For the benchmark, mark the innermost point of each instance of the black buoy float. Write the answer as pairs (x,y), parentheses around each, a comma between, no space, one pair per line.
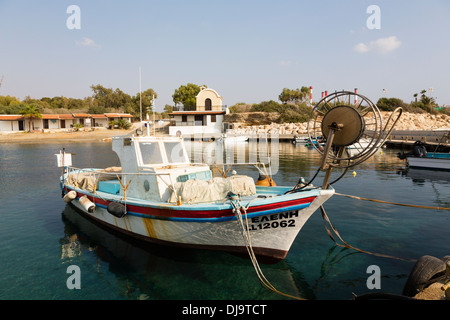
(117,209)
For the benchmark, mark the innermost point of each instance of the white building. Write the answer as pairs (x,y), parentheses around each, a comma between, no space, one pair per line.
(207,119)
(19,123)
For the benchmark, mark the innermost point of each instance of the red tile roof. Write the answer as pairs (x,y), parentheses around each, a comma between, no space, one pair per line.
(11,117)
(15,117)
(81,115)
(50,116)
(65,116)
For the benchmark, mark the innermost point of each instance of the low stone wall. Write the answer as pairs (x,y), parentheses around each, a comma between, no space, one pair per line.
(408,121)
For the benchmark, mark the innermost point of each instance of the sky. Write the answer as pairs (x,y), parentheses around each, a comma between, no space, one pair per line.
(246,50)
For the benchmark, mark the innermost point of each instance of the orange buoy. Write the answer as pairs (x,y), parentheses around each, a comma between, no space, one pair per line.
(263,180)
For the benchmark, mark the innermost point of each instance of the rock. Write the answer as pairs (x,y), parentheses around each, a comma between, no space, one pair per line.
(408,121)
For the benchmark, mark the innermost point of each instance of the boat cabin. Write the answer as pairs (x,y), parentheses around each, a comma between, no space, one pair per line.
(153,165)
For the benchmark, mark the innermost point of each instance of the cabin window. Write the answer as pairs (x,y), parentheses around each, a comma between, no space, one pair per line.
(150,153)
(174,151)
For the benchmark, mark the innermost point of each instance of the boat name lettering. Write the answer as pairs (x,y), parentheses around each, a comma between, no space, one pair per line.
(259,223)
(275,216)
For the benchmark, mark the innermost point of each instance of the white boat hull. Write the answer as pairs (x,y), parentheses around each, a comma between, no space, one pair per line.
(272,234)
(430,163)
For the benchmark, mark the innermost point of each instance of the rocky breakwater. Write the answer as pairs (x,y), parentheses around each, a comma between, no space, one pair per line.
(408,121)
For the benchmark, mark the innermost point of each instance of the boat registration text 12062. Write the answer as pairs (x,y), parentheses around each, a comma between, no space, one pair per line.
(276,220)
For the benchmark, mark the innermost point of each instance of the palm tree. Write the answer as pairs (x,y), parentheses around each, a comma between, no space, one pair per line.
(31,112)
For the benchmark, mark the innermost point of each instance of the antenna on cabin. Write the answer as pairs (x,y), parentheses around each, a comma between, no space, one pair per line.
(140,97)
(1,81)
(153,109)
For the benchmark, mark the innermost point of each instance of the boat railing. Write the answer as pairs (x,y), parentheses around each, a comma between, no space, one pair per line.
(88,178)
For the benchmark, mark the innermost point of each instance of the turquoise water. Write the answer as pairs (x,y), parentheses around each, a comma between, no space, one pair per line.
(41,236)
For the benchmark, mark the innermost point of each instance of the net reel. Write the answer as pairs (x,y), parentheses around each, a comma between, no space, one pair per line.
(352,126)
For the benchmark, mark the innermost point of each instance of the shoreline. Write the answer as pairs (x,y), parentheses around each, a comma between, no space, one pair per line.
(58,137)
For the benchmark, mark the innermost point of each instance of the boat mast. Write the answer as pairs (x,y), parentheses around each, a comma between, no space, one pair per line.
(140,98)
(153,109)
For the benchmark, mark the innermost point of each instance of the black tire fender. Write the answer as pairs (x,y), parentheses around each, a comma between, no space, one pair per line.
(423,271)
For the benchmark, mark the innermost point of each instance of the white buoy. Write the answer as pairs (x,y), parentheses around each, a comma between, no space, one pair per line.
(87,204)
(68,197)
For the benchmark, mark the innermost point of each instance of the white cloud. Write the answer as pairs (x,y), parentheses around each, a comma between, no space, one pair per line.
(361,48)
(88,43)
(284,63)
(382,45)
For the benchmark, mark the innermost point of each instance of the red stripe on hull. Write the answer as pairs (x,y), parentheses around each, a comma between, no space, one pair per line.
(169,212)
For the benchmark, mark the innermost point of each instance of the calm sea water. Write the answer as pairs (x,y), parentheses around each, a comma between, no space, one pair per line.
(41,236)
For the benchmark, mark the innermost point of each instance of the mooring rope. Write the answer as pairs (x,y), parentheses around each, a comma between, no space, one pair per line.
(237,207)
(346,245)
(394,203)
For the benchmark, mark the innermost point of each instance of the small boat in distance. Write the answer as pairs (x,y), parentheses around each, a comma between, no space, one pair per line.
(226,138)
(420,158)
(307,141)
(158,195)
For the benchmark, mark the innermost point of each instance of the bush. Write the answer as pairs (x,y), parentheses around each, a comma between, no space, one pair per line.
(295,113)
(390,104)
(289,113)
(267,106)
(240,107)
(120,124)
(77,126)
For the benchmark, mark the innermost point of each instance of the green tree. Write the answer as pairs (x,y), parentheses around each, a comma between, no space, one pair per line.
(148,100)
(9,105)
(31,112)
(186,95)
(103,96)
(8,100)
(294,95)
(59,102)
(389,104)
(425,103)
(167,110)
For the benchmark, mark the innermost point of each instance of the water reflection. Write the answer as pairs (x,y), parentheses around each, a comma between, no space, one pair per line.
(159,272)
(422,175)
(314,268)
(437,179)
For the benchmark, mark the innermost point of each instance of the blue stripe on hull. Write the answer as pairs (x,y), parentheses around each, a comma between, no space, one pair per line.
(222,219)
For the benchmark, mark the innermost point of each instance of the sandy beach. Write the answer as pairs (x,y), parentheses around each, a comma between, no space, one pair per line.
(52,137)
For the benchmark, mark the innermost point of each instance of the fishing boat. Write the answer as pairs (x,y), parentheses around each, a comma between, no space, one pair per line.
(306,140)
(420,158)
(158,195)
(438,161)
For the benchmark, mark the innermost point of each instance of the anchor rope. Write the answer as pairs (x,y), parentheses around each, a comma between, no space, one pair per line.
(237,207)
(349,246)
(394,203)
